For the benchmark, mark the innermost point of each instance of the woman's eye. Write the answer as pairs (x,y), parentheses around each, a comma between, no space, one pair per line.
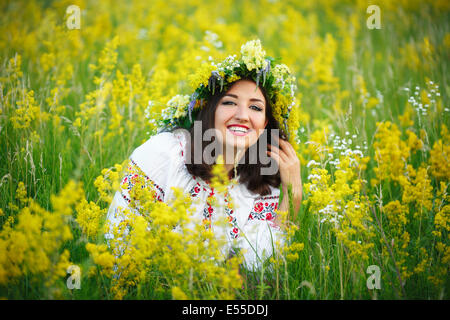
(253,107)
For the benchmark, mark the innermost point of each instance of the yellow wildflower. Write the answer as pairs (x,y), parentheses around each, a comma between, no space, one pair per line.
(88,217)
(201,76)
(178,294)
(253,55)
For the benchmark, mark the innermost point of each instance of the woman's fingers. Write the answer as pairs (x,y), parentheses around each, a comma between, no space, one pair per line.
(276,151)
(287,147)
(291,154)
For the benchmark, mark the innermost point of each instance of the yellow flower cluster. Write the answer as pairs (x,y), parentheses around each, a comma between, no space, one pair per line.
(253,55)
(201,76)
(281,71)
(291,251)
(89,216)
(404,220)
(27,111)
(442,236)
(319,72)
(94,104)
(396,213)
(30,243)
(440,155)
(14,68)
(109,181)
(340,204)
(164,238)
(397,220)
(283,77)
(178,294)
(392,153)
(102,257)
(179,102)
(107,60)
(417,189)
(292,123)
(234,78)
(129,98)
(21,193)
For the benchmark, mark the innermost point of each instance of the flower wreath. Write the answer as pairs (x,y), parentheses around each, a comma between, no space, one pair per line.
(276,79)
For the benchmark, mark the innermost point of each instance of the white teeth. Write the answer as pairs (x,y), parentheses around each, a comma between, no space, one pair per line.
(238,129)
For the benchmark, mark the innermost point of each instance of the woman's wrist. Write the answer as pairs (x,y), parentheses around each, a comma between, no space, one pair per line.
(296,190)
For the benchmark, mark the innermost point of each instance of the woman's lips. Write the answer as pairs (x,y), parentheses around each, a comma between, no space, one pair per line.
(238,133)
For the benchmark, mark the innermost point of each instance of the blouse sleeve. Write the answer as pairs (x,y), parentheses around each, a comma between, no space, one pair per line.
(158,159)
(153,163)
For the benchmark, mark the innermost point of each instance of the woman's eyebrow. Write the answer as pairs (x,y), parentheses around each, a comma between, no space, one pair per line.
(235,96)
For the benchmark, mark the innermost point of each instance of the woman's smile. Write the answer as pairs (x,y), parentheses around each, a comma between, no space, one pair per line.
(240,116)
(238,130)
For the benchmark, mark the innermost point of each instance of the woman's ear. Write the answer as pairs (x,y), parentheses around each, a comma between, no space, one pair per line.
(265,124)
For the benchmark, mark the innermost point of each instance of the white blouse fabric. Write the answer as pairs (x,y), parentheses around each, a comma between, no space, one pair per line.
(251,227)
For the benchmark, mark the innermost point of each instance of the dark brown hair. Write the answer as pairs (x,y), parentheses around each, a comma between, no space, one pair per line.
(249,174)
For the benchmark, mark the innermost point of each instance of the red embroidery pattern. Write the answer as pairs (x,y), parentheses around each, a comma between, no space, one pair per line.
(195,191)
(132,177)
(234,233)
(264,208)
(208,210)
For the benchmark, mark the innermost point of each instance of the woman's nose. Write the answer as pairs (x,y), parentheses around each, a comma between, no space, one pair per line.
(241,113)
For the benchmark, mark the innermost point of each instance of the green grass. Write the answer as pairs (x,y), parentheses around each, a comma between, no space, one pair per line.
(46,165)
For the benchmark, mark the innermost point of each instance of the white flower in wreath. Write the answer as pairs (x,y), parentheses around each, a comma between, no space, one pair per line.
(178,103)
(253,55)
(281,74)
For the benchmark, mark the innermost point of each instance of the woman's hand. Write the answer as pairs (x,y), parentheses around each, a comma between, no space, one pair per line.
(289,166)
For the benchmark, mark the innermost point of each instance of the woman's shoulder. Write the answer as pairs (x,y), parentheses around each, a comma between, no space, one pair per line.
(163,147)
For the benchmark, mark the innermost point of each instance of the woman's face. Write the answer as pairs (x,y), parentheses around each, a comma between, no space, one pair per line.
(241,116)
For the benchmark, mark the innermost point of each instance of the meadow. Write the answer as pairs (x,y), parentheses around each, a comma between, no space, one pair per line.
(79,95)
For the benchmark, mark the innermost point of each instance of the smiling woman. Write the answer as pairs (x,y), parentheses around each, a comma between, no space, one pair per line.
(239,110)
(242,121)
(240,116)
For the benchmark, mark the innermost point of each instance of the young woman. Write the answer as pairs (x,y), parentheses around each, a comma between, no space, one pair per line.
(232,113)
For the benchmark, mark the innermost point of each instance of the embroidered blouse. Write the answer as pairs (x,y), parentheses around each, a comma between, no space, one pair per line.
(161,160)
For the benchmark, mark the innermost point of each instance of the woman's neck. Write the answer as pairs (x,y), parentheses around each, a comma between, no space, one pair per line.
(231,161)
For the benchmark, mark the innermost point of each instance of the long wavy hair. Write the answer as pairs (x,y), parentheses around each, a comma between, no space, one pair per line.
(249,174)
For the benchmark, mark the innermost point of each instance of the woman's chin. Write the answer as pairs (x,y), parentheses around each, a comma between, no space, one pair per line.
(238,143)
(236,146)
